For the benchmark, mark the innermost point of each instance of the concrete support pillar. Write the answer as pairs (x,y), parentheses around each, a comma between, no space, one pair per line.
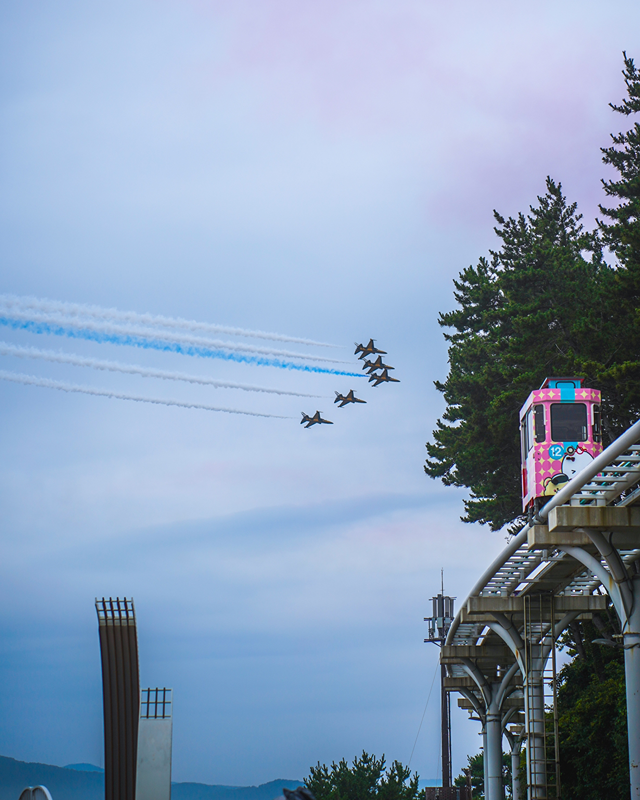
(624,591)
(516,790)
(493,757)
(631,641)
(536,757)
(485,760)
(515,746)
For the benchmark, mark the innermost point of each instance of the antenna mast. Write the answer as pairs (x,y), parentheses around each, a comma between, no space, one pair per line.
(439,625)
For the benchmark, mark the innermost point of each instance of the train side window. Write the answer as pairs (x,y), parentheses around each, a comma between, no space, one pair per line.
(568,422)
(529,429)
(597,424)
(541,433)
(523,438)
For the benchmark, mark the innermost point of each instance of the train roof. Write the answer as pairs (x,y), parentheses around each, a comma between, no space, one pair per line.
(566,390)
(557,383)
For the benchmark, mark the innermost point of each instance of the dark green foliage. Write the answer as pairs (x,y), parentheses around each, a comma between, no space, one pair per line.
(621,233)
(364,779)
(534,309)
(545,303)
(592,715)
(476,765)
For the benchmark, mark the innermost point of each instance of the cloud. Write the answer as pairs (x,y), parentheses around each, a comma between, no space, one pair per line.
(265,617)
(282,166)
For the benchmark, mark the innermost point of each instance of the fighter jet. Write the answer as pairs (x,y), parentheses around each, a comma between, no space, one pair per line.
(372,366)
(368,349)
(314,420)
(383,377)
(344,399)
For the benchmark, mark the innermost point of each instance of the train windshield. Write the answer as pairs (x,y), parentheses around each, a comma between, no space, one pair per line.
(568,422)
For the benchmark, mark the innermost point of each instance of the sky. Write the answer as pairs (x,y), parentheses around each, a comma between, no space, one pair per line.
(320,170)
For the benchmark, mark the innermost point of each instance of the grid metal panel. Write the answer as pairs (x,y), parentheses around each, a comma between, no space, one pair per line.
(156,703)
(116,612)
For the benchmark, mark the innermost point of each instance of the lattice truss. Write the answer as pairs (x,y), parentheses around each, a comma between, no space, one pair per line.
(551,570)
(491,646)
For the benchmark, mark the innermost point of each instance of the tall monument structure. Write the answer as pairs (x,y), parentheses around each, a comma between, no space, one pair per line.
(121,695)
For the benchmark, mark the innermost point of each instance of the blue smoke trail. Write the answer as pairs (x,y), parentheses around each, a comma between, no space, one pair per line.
(167,347)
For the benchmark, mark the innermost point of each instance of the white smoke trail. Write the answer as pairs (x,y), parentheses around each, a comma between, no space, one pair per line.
(132,369)
(32,380)
(81,310)
(152,333)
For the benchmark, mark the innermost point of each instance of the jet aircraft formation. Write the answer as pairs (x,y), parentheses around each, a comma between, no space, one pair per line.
(375,377)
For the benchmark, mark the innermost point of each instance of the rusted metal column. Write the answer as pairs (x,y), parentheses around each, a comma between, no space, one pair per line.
(121,695)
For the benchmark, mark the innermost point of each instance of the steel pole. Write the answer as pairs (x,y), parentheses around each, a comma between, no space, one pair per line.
(485,760)
(515,744)
(445,724)
(632,679)
(493,757)
(515,771)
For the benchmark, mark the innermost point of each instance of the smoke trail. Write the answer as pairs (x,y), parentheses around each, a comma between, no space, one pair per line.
(113,315)
(168,346)
(32,380)
(150,333)
(132,369)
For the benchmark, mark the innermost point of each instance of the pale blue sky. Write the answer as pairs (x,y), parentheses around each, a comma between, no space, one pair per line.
(320,169)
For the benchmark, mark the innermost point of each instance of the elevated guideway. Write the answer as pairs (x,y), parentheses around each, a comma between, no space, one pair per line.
(584,544)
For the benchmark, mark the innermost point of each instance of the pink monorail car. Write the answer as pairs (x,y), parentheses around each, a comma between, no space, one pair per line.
(560,433)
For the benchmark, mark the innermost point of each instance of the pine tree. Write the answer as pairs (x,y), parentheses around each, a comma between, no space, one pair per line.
(366,779)
(533,309)
(621,233)
(475,765)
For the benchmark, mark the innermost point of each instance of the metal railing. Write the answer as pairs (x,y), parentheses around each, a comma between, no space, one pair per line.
(523,571)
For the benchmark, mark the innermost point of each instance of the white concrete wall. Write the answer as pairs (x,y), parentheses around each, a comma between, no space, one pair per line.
(153,780)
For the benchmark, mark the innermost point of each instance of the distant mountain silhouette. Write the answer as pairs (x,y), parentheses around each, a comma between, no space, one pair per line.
(202,791)
(83,767)
(85,782)
(64,784)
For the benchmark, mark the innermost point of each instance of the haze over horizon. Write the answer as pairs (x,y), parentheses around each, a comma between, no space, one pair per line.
(319,171)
